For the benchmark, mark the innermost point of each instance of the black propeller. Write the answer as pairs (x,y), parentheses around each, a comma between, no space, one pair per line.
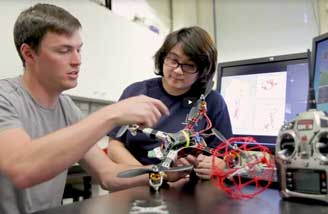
(134,172)
(178,168)
(140,171)
(209,87)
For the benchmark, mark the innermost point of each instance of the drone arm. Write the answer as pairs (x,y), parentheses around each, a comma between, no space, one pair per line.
(196,113)
(119,154)
(167,162)
(154,134)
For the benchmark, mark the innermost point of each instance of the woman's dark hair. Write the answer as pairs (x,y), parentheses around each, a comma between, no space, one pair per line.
(197,44)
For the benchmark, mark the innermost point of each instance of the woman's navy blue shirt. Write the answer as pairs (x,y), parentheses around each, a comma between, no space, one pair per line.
(140,144)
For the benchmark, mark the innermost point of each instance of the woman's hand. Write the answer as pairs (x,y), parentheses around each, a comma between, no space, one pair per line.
(184,175)
(203,167)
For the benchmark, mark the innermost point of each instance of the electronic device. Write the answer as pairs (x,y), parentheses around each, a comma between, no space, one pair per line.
(301,156)
(172,144)
(302,143)
(320,69)
(262,93)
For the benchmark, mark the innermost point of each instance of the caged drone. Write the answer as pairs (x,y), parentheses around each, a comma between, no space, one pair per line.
(238,159)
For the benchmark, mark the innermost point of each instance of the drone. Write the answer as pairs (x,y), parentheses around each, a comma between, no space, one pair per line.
(171,145)
(238,159)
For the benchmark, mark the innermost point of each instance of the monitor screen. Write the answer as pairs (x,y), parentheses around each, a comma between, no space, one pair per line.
(263,93)
(320,63)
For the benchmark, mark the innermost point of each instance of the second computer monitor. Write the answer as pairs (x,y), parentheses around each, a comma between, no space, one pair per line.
(262,93)
(320,67)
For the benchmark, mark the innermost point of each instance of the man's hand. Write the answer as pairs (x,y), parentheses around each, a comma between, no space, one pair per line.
(142,110)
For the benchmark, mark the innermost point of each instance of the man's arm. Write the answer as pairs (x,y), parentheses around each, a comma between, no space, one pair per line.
(119,154)
(105,171)
(27,162)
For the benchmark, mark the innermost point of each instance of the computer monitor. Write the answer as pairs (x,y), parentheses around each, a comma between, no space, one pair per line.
(320,68)
(263,93)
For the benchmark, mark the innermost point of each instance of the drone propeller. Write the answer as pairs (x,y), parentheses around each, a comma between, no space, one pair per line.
(177,169)
(209,87)
(218,134)
(140,171)
(122,130)
(133,129)
(134,172)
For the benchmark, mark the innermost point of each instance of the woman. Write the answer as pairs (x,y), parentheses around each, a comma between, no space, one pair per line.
(186,63)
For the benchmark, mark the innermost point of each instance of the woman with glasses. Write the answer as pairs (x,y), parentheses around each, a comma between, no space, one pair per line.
(186,63)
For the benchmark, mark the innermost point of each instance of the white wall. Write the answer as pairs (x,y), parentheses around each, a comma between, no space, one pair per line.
(193,12)
(259,28)
(184,13)
(149,12)
(162,10)
(205,17)
(116,52)
(323,15)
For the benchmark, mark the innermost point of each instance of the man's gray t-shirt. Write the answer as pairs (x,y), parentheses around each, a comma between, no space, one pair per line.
(19,110)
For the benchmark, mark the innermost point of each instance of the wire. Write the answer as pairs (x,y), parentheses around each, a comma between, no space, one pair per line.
(241,161)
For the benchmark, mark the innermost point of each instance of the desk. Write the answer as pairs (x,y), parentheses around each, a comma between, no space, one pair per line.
(76,175)
(205,198)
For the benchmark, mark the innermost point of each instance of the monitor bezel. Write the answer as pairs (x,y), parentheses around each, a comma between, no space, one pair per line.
(315,42)
(303,56)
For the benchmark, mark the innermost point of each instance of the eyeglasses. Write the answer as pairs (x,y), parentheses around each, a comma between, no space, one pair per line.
(186,68)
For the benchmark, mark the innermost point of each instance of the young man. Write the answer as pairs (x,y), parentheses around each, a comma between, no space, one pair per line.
(41,134)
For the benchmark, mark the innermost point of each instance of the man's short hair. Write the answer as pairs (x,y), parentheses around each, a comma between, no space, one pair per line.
(33,23)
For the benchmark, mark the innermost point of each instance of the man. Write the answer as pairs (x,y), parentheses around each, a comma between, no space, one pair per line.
(40,136)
